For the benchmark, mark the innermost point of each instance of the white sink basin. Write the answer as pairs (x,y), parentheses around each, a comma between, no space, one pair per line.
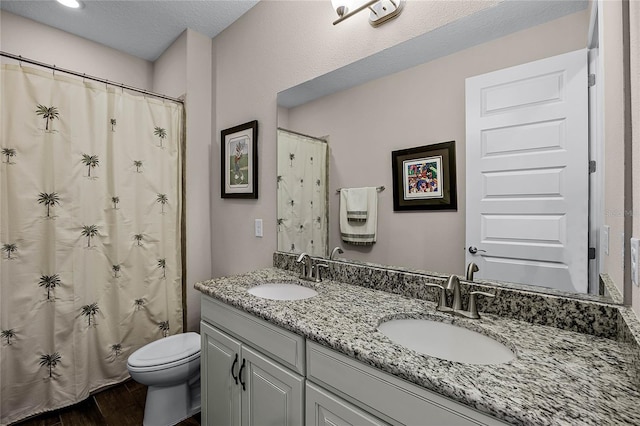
(446,341)
(282,291)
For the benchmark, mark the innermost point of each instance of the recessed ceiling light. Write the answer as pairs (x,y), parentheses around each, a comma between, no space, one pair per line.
(75,4)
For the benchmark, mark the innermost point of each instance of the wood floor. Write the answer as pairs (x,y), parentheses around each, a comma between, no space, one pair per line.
(121,405)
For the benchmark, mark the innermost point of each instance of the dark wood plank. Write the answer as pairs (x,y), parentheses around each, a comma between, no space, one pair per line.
(121,405)
(47,419)
(132,385)
(191,421)
(82,414)
(139,395)
(118,407)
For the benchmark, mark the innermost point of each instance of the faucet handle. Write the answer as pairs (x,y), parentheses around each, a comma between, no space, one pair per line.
(442,299)
(473,309)
(317,268)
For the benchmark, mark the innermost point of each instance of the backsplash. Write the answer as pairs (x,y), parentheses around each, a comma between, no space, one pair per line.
(629,332)
(582,316)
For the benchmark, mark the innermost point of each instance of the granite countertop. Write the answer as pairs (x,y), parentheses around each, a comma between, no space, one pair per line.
(558,377)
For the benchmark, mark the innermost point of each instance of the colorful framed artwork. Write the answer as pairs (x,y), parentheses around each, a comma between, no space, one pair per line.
(240,161)
(424,178)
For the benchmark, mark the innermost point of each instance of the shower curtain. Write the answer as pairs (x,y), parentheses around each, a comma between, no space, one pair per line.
(302,194)
(90,214)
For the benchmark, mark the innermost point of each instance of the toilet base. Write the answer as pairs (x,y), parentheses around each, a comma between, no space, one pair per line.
(168,405)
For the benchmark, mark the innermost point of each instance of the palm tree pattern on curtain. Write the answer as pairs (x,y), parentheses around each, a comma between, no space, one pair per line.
(49,282)
(162,199)
(50,361)
(49,200)
(8,153)
(160,133)
(117,349)
(9,248)
(123,292)
(91,161)
(9,334)
(89,231)
(162,263)
(48,113)
(89,311)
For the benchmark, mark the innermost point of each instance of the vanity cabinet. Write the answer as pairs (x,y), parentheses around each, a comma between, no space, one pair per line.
(384,395)
(255,373)
(240,384)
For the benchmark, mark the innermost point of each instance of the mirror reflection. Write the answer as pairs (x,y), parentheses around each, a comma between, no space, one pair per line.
(302,193)
(528,211)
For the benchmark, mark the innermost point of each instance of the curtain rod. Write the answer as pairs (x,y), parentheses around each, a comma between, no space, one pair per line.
(88,77)
(302,134)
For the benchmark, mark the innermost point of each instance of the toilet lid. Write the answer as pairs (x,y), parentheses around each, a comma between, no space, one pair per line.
(166,350)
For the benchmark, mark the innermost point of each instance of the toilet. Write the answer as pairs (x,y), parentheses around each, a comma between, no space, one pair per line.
(170,367)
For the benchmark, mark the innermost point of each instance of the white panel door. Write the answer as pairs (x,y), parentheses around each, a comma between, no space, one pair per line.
(272,395)
(220,366)
(527,150)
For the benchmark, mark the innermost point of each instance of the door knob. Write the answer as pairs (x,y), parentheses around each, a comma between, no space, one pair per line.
(474,250)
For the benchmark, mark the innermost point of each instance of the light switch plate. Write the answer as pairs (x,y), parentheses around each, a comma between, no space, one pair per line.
(605,239)
(635,271)
(258,228)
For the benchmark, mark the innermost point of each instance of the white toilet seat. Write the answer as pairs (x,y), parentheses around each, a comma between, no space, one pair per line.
(165,353)
(163,366)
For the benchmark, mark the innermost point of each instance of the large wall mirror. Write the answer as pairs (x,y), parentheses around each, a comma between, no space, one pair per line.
(414,94)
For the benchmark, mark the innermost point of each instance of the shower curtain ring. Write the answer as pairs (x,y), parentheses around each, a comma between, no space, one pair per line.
(20,60)
(54,70)
(83,77)
(122,87)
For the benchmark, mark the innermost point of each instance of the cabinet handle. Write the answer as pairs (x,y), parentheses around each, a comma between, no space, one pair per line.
(240,374)
(233,366)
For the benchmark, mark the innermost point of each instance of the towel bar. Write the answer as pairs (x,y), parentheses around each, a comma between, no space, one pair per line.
(379,189)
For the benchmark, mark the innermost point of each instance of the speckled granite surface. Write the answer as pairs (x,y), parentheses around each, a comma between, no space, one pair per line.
(555,310)
(608,287)
(558,378)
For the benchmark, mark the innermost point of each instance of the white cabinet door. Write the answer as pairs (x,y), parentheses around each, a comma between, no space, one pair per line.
(323,408)
(220,365)
(272,395)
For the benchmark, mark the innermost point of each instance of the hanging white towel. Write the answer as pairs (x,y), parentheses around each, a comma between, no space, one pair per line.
(360,232)
(357,203)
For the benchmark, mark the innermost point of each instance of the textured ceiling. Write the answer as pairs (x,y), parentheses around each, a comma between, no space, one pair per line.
(143,28)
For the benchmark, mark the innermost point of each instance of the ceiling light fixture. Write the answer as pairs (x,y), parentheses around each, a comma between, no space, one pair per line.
(381,10)
(74,4)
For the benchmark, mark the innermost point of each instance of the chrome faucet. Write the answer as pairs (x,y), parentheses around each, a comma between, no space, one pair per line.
(334,251)
(471,268)
(453,283)
(307,268)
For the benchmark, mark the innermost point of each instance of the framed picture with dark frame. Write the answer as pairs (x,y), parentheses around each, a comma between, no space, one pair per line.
(240,161)
(424,178)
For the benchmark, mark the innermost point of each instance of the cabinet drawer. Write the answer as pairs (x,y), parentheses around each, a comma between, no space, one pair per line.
(384,395)
(281,345)
(325,409)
